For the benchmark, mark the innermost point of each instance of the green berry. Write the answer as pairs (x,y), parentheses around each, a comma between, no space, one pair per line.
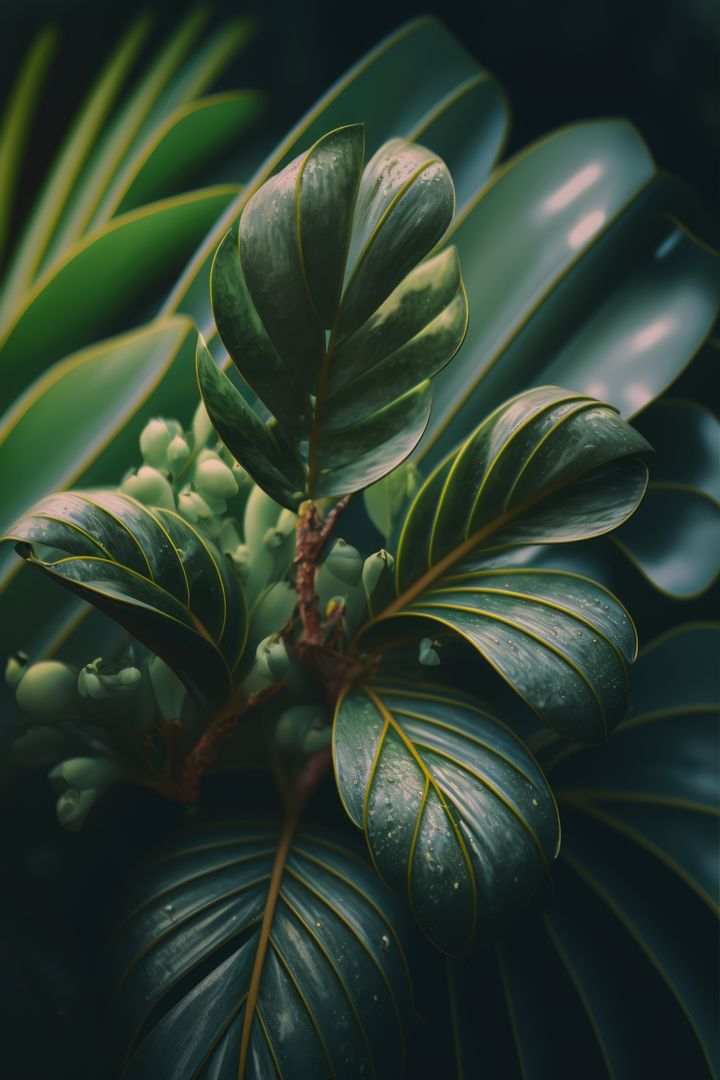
(271,658)
(178,452)
(214,478)
(150,487)
(48,690)
(345,563)
(155,440)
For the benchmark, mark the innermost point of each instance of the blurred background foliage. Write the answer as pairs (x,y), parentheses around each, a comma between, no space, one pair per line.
(653,61)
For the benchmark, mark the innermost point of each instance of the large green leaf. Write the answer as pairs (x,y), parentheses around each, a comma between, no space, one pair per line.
(630,939)
(575,277)
(675,538)
(548,466)
(38,231)
(210,126)
(110,272)
(17,119)
(253,954)
(151,572)
(339,246)
(418,80)
(457,815)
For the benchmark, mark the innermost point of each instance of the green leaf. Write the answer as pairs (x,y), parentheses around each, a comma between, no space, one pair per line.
(576,277)
(390,89)
(68,164)
(208,126)
(457,815)
(150,571)
(625,944)
(352,408)
(674,540)
(247,952)
(79,300)
(548,466)
(17,119)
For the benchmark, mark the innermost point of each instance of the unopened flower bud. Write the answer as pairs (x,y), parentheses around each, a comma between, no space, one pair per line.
(202,427)
(273,539)
(155,440)
(150,487)
(295,723)
(73,807)
(86,773)
(15,668)
(317,738)
(374,567)
(178,452)
(101,682)
(48,690)
(193,507)
(271,658)
(427,654)
(345,562)
(214,478)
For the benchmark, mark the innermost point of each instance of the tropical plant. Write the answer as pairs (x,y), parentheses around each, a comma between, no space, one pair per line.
(457,681)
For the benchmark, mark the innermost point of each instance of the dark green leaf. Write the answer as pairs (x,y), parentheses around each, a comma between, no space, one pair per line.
(321,933)
(457,815)
(354,406)
(151,572)
(548,466)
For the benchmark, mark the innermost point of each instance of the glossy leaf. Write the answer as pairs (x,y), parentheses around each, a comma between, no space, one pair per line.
(38,231)
(576,277)
(17,119)
(675,538)
(210,126)
(53,324)
(457,816)
(249,954)
(629,940)
(150,571)
(416,78)
(356,406)
(548,466)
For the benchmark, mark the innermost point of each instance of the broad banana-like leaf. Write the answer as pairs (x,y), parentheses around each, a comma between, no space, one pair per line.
(252,953)
(576,276)
(674,540)
(343,362)
(457,815)
(75,302)
(151,572)
(630,939)
(546,467)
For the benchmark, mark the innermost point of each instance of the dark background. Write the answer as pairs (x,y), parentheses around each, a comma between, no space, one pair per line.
(654,61)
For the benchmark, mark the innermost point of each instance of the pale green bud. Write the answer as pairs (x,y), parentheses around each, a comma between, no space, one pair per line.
(48,690)
(273,610)
(229,536)
(155,440)
(193,507)
(150,487)
(101,682)
(345,563)
(214,478)
(295,723)
(202,427)
(274,539)
(178,452)
(241,559)
(73,807)
(317,738)
(86,773)
(374,567)
(427,653)
(271,658)
(286,522)
(15,669)
(261,512)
